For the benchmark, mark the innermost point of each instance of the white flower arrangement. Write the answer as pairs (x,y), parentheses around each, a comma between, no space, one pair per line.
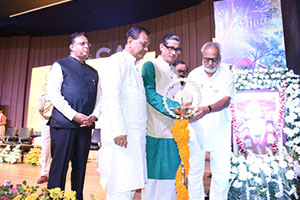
(269,176)
(10,156)
(262,177)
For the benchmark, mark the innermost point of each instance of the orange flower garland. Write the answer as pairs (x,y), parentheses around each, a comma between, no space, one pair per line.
(181,137)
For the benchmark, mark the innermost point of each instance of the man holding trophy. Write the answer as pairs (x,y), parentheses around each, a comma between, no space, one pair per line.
(162,153)
(210,129)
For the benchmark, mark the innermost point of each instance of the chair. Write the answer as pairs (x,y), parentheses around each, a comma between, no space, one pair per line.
(24,136)
(96,140)
(10,135)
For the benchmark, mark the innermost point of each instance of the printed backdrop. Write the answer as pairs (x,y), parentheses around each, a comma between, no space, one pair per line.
(250,32)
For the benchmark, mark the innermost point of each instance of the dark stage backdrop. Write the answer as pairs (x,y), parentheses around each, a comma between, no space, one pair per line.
(195,26)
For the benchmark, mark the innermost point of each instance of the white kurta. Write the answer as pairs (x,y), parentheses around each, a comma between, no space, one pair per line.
(213,130)
(211,133)
(123,113)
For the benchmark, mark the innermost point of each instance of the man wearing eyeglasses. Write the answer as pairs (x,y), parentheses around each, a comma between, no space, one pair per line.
(182,70)
(161,149)
(73,90)
(210,130)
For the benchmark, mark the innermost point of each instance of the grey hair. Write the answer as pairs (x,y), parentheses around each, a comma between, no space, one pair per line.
(170,36)
(211,44)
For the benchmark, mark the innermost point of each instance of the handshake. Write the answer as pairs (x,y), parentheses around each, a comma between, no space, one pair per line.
(83,120)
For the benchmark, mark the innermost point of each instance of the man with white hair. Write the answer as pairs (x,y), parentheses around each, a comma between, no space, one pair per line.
(210,130)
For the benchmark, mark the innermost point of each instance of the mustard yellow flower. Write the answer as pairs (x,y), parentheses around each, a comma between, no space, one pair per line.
(33,196)
(19,197)
(181,137)
(70,195)
(56,193)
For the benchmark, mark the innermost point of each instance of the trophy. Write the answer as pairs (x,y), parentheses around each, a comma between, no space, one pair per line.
(189,99)
(189,103)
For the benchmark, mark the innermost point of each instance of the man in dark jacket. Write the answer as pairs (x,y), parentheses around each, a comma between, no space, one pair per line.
(72,89)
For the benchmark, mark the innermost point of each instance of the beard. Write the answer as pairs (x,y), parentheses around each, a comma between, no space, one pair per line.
(210,68)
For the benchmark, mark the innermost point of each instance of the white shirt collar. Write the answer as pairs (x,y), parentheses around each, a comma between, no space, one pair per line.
(131,57)
(163,62)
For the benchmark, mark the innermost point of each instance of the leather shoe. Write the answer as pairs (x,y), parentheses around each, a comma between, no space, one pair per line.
(43,179)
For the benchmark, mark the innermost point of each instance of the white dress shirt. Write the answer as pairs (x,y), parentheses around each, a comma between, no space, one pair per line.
(214,129)
(55,79)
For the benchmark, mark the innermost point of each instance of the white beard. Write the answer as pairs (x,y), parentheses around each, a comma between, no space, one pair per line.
(209,69)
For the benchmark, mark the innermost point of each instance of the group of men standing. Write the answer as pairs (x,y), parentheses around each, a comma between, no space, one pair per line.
(138,150)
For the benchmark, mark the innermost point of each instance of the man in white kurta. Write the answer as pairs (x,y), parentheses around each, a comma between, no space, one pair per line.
(122,161)
(211,130)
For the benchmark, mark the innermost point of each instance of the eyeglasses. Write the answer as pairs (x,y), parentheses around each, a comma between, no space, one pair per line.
(170,48)
(214,60)
(182,71)
(84,43)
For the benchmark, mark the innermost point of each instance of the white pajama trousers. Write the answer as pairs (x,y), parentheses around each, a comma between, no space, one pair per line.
(120,195)
(220,169)
(159,190)
(46,153)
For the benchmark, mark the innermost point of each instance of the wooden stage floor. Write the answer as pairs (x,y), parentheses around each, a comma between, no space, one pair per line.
(18,172)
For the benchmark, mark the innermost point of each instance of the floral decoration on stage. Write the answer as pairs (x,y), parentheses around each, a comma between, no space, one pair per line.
(33,156)
(8,155)
(275,175)
(181,137)
(24,191)
(262,177)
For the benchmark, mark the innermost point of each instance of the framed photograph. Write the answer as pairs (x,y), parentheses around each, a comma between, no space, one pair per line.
(257,113)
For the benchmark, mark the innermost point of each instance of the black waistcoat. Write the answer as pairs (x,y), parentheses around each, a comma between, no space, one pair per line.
(79,88)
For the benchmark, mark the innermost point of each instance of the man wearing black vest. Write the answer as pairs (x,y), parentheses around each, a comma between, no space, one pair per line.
(73,91)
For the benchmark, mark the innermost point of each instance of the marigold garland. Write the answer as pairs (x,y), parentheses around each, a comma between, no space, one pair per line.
(181,137)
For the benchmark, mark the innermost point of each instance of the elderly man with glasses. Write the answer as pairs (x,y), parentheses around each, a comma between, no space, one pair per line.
(161,149)
(210,130)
